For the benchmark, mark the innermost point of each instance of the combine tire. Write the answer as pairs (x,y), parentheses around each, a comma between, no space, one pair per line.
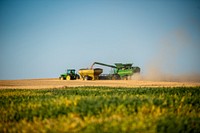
(115,77)
(125,78)
(68,77)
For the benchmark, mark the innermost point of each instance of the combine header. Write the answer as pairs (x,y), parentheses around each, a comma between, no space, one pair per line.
(120,71)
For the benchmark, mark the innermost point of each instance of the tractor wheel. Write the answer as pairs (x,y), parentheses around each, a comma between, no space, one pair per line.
(61,78)
(68,77)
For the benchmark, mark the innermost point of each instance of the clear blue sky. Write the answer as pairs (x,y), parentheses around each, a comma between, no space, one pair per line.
(41,38)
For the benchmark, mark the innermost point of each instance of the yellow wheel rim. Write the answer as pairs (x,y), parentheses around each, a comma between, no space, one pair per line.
(68,77)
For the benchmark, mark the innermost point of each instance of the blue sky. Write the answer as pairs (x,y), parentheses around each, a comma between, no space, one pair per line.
(41,38)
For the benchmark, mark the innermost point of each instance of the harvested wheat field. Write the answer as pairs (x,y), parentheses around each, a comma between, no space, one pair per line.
(56,83)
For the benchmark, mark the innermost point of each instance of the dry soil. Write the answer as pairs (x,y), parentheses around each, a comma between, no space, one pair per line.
(56,83)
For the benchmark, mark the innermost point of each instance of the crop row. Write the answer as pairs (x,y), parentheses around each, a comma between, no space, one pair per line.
(100,109)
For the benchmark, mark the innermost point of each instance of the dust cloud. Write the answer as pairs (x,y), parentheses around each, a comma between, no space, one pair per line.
(162,76)
(165,62)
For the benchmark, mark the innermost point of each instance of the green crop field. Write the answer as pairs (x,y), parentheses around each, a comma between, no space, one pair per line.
(100,109)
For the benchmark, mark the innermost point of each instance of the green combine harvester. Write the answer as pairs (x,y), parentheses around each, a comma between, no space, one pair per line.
(120,71)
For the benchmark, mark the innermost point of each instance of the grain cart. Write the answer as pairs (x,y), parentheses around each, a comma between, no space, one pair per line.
(69,75)
(121,71)
(90,74)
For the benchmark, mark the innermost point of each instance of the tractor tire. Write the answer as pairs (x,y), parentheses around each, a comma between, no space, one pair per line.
(68,77)
(61,78)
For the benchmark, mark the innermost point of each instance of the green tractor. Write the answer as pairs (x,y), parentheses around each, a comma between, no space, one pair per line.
(69,75)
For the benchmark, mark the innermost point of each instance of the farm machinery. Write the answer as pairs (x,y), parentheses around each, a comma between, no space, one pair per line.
(69,75)
(90,74)
(120,71)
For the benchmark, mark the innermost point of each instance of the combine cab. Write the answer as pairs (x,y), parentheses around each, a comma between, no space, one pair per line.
(69,75)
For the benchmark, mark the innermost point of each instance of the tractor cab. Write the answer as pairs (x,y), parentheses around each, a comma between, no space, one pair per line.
(71,71)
